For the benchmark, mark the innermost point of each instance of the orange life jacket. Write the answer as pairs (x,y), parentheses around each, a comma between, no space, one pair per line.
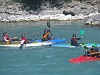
(46,35)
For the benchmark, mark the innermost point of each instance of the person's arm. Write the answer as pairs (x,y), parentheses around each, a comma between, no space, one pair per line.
(78,38)
(96,49)
(6,39)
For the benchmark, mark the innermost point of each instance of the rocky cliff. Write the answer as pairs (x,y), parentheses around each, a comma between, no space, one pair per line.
(11,11)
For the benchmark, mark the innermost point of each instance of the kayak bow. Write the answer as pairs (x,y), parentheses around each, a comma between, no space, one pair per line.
(71,46)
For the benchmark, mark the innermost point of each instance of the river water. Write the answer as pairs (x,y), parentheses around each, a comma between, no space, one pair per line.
(47,60)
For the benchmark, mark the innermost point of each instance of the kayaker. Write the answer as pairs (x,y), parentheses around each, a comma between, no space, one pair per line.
(74,40)
(93,51)
(6,38)
(23,39)
(45,36)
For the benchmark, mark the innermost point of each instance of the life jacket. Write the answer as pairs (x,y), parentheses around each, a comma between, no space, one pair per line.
(5,37)
(45,35)
(23,38)
(74,39)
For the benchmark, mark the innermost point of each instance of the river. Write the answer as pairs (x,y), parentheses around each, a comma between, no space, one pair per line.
(47,60)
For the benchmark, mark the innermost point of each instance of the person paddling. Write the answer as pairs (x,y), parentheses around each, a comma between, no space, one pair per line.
(93,51)
(74,40)
(45,36)
(6,38)
(23,40)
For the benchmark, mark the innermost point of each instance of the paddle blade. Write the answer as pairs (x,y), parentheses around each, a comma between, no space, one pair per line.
(82,32)
(48,24)
(21,47)
(15,37)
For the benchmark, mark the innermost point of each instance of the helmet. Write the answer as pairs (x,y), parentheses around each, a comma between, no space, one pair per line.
(74,35)
(94,45)
(23,35)
(46,30)
(4,33)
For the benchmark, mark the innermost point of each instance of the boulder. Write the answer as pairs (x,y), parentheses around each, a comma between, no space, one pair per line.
(67,13)
(94,20)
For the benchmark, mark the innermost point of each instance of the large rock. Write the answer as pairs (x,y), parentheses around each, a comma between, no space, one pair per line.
(94,20)
(67,13)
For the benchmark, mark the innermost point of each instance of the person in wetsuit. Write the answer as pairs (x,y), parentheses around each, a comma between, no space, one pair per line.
(6,38)
(93,51)
(74,40)
(45,36)
(23,39)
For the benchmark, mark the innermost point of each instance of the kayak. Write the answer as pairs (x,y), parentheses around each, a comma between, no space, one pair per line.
(71,46)
(28,44)
(63,45)
(55,40)
(90,45)
(32,43)
(84,59)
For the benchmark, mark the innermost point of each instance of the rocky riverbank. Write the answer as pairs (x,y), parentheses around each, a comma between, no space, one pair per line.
(14,12)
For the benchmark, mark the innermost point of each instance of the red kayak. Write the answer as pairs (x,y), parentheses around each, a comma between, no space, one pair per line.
(83,59)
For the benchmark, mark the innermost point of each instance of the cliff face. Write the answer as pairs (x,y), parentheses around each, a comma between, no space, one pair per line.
(12,11)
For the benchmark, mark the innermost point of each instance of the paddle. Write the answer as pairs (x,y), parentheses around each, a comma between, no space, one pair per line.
(15,38)
(86,48)
(22,45)
(81,32)
(48,25)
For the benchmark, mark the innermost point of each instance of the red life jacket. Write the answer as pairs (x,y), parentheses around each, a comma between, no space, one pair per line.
(6,37)
(75,39)
(23,38)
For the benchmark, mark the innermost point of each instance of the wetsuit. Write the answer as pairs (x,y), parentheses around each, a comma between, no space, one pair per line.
(94,49)
(74,41)
(93,52)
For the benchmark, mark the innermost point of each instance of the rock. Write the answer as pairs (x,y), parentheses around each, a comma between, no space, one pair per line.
(67,13)
(10,7)
(94,20)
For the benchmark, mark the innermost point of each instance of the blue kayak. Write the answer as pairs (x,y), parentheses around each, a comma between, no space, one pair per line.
(62,45)
(55,40)
(71,46)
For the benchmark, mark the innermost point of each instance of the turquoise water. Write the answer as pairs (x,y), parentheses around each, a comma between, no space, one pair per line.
(47,60)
